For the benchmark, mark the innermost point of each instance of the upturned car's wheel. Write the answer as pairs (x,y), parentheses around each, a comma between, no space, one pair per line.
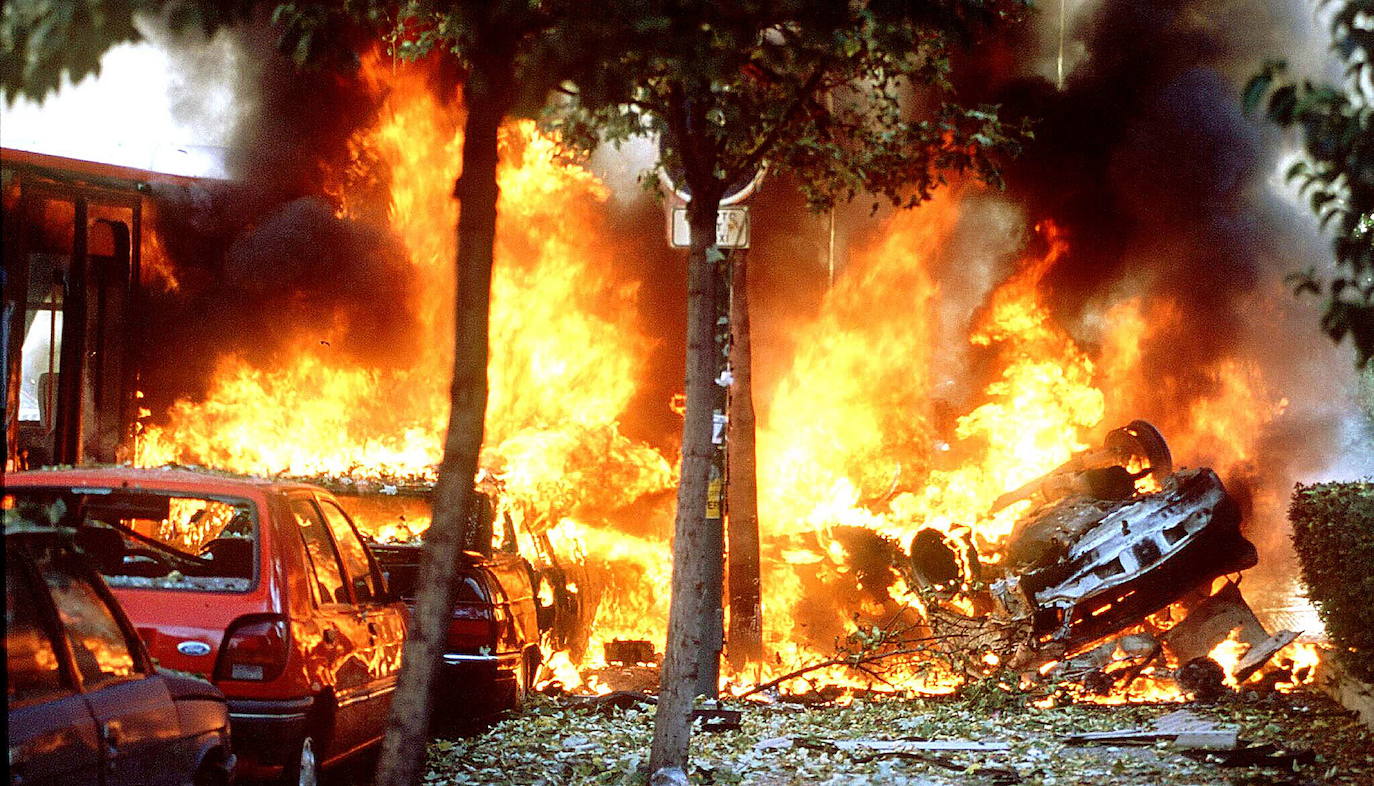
(1140,438)
(304,769)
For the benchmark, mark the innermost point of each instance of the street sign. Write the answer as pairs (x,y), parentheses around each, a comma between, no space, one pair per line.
(732,227)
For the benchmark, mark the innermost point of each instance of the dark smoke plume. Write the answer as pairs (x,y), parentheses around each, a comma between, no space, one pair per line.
(263,259)
(1158,179)
(1146,162)
(1163,188)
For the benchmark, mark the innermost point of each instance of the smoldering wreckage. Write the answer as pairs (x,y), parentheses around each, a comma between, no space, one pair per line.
(1121,566)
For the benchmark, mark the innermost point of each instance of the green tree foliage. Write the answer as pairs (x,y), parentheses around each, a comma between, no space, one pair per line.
(1336,174)
(41,41)
(548,42)
(850,98)
(1333,534)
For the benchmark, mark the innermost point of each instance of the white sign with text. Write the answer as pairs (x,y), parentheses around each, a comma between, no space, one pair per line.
(732,227)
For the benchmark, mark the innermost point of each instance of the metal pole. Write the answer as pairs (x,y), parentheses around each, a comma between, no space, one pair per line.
(71,366)
(1063,11)
(713,628)
(132,339)
(742,536)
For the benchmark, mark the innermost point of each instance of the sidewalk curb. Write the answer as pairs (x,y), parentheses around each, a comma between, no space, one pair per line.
(1353,694)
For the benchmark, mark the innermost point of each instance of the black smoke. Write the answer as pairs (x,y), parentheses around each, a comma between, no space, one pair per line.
(1163,188)
(263,260)
(1146,161)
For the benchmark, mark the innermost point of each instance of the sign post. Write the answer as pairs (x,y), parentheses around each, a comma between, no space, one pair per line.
(732,233)
(713,628)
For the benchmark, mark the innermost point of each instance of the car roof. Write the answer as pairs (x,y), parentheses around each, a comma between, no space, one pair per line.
(172,478)
(410,553)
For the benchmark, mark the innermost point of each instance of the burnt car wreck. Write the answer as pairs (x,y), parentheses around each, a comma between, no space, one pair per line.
(1112,537)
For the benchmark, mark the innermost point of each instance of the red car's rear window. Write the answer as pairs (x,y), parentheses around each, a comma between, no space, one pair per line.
(155,539)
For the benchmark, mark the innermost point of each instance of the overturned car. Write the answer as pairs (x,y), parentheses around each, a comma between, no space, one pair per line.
(1113,536)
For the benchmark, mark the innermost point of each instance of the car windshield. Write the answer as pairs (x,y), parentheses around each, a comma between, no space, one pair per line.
(161,540)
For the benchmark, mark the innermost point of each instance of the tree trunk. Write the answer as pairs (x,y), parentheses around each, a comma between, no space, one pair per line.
(746,611)
(692,557)
(488,97)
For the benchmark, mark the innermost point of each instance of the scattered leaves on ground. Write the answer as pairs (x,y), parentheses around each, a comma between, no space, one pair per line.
(552,743)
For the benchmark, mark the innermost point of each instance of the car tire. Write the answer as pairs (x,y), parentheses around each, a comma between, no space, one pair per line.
(534,658)
(1140,438)
(210,773)
(516,699)
(304,767)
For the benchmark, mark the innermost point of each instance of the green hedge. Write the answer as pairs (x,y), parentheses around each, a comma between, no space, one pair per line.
(1333,533)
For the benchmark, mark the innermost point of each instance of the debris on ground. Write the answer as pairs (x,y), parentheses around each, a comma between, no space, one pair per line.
(608,702)
(1299,737)
(1183,729)
(1267,755)
(718,720)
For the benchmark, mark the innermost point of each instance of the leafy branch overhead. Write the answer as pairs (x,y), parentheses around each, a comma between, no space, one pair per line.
(42,42)
(1336,174)
(849,101)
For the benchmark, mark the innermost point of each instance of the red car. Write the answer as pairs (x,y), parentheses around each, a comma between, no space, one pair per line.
(86,704)
(264,587)
(491,647)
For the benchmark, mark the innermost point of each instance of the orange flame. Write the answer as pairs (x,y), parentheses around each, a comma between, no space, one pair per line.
(566,351)
(851,437)
(558,388)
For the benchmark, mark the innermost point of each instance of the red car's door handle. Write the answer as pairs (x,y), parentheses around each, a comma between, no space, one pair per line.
(109,732)
(109,735)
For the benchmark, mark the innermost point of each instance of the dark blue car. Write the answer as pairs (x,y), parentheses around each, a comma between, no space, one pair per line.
(86,703)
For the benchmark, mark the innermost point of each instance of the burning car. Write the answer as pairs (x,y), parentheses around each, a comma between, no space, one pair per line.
(1112,536)
(516,600)
(491,646)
